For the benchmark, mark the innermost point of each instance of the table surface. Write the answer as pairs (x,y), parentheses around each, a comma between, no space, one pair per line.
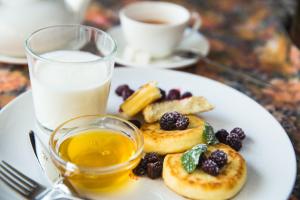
(246,36)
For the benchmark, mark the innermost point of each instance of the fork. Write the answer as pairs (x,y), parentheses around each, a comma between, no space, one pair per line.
(28,188)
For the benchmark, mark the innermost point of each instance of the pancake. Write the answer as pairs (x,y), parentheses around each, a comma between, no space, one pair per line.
(174,141)
(202,186)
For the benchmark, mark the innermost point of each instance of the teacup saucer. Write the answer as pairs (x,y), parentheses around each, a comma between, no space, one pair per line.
(195,41)
(13,60)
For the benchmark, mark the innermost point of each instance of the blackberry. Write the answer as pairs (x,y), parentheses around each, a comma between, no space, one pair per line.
(210,167)
(168,120)
(239,132)
(121,88)
(234,141)
(154,170)
(173,94)
(149,165)
(182,123)
(186,95)
(139,171)
(137,123)
(221,135)
(127,93)
(152,157)
(202,159)
(141,168)
(219,157)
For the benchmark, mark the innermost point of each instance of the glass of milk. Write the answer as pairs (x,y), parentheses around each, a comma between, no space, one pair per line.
(70,70)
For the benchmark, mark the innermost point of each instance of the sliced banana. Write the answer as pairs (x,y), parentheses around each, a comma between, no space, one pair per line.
(191,105)
(141,98)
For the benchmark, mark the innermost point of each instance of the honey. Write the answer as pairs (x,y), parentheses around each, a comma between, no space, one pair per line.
(98,148)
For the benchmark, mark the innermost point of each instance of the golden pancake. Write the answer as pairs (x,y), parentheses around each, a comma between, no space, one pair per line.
(174,141)
(202,186)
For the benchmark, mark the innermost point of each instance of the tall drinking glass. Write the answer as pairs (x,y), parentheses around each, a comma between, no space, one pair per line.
(70,70)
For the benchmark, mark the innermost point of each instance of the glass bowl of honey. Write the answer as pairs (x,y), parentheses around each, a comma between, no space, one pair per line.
(96,153)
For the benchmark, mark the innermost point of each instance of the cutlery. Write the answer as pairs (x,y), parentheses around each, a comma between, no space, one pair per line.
(28,188)
(47,166)
(187,53)
(42,154)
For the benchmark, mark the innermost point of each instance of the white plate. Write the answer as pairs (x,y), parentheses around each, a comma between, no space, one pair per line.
(267,149)
(194,41)
(13,60)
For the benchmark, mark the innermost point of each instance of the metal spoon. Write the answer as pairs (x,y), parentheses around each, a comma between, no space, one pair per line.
(192,54)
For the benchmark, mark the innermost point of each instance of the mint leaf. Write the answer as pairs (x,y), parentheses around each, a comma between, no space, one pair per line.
(191,157)
(209,135)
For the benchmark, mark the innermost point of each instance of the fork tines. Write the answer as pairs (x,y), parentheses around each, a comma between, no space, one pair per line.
(16,180)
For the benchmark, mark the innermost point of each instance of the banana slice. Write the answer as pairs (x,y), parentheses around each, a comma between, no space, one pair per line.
(202,186)
(141,98)
(164,142)
(191,105)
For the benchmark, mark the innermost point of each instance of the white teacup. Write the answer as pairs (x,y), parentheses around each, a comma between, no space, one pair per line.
(155,27)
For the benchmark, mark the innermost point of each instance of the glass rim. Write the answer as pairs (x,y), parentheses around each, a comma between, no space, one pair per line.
(96,170)
(29,50)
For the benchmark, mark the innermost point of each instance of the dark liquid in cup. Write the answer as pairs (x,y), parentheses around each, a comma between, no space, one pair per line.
(153,21)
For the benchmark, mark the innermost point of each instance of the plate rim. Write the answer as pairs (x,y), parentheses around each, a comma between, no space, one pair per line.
(28,92)
(13,60)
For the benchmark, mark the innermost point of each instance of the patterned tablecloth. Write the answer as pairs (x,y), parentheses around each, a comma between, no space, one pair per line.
(246,35)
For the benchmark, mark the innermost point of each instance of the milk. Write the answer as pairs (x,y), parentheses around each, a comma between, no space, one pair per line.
(64,90)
